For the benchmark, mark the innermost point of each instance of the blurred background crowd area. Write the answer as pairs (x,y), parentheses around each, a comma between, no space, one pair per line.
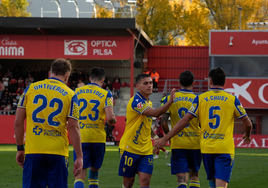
(13,81)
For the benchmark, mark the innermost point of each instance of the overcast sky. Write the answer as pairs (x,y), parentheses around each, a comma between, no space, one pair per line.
(67,8)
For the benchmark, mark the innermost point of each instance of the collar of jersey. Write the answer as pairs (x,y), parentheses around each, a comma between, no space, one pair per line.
(138,93)
(56,79)
(185,91)
(93,84)
(216,88)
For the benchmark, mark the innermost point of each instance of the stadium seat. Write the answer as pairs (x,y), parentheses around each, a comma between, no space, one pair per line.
(124,84)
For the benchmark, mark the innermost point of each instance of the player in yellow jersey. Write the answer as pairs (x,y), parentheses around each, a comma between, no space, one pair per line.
(47,106)
(95,104)
(136,140)
(185,146)
(215,110)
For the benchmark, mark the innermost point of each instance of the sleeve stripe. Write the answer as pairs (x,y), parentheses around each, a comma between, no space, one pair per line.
(145,109)
(108,106)
(192,113)
(21,107)
(72,117)
(242,116)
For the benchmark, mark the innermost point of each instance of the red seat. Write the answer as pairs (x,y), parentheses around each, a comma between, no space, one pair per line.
(124,84)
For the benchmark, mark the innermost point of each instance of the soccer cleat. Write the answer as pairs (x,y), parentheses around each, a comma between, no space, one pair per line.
(167,154)
(168,164)
(156,157)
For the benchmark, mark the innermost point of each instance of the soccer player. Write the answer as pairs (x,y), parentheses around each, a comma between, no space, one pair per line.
(185,146)
(215,110)
(47,106)
(94,104)
(160,133)
(136,141)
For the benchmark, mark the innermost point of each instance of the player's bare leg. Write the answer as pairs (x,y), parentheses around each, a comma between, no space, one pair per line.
(144,179)
(128,182)
(182,179)
(221,183)
(194,179)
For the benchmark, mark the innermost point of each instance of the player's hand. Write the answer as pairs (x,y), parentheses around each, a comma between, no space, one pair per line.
(159,144)
(78,166)
(20,158)
(246,138)
(172,95)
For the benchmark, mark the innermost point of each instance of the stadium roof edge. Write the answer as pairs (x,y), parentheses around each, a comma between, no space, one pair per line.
(73,26)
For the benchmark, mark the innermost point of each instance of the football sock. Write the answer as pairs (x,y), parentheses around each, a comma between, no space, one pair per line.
(93,179)
(123,186)
(212,184)
(194,184)
(157,153)
(182,185)
(79,183)
(163,149)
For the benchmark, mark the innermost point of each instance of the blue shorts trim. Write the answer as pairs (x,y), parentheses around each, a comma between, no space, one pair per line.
(45,170)
(131,163)
(219,166)
(93,154)
(182,160)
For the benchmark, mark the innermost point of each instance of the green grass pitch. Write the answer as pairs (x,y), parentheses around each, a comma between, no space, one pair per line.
(250,170)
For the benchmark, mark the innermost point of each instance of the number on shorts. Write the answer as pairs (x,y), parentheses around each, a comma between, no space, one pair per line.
(128,161)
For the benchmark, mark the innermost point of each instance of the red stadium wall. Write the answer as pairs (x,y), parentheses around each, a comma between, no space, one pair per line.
(7,133)
(170,61)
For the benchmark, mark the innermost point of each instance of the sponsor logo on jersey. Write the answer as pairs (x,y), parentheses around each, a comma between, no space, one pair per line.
(139,105)
(81,125)
(37,130)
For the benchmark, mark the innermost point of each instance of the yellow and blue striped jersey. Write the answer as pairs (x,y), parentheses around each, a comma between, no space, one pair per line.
(216,110)
(137,136)
(92,101)
(48,104)
(189,137)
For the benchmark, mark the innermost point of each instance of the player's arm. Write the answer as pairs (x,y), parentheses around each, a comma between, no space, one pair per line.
(248,126)
(110,115)
(159,111)
(75,137)
(164,122)
(242,115)
(175,130)
(19,134)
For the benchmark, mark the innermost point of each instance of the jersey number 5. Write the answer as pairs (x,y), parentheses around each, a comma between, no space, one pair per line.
(43,106)
(94,109)
(214,116)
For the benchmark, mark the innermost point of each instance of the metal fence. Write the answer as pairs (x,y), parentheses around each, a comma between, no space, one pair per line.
(200,86)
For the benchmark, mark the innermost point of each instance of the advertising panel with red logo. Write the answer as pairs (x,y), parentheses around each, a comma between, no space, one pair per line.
(238,43)
(252,93)
(73,47)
